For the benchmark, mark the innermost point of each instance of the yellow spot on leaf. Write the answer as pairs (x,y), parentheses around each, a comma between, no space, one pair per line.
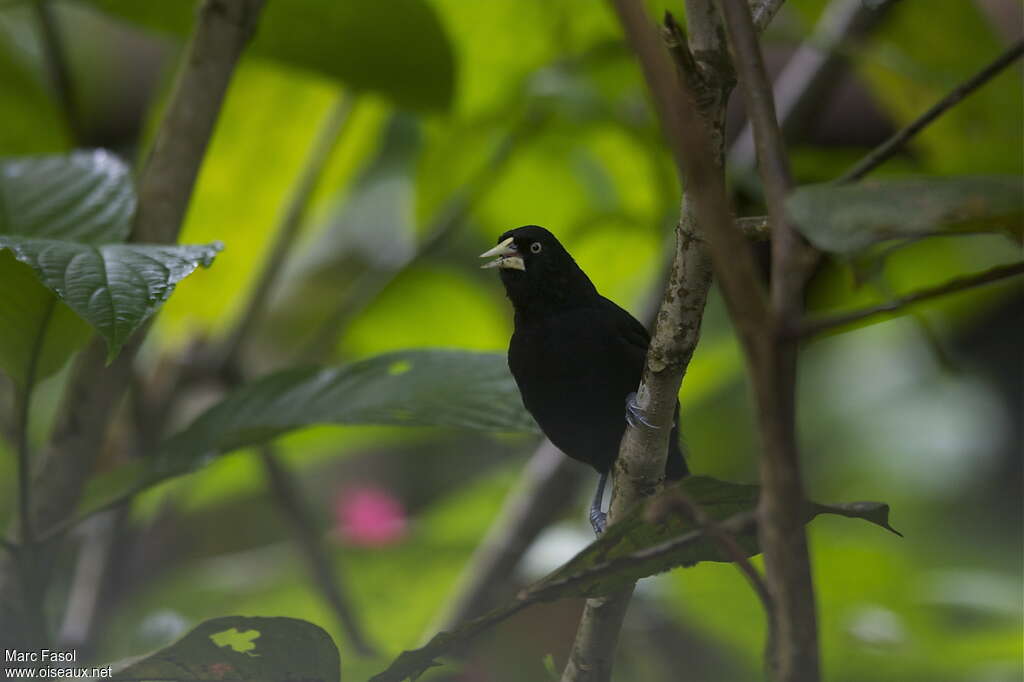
(242,642)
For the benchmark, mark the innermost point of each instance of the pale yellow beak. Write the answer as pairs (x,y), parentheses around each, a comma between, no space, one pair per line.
(507,256)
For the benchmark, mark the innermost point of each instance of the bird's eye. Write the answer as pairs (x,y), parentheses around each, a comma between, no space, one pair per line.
(535,247)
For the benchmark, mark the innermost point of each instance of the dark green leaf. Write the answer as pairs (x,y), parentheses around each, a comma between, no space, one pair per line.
(32,123)
(847,218)
(86,196)
(396,48)
(446,388)
(634,547)
(242,648)
(39,331)
(114,287)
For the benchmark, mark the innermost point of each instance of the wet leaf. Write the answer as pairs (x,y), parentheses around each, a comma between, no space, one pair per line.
(86,196)
(113,287)
(242,648)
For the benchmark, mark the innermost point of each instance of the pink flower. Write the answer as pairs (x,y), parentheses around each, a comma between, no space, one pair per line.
(369,517)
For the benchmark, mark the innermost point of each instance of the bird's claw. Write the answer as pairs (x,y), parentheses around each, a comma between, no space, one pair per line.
(599,521)
(634,415)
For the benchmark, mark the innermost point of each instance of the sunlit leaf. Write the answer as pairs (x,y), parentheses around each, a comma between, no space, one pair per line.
(39,331)
(847,218)
(243,648)
(397,48)
(411,388)
(632,548)
(114,287)
(86,196)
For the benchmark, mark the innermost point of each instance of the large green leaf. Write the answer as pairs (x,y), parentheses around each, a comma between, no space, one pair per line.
(455,389)
(396,48)
(86,196)
(40,332)
(633,548)
(243,648)
(114,287)
(847,218)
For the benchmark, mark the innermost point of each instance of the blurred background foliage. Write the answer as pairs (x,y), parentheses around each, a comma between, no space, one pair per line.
(466,119)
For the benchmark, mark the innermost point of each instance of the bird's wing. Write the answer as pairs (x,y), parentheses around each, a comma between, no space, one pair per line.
(628,327)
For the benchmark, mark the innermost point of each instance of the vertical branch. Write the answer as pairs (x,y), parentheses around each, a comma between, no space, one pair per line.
(57,65)
(794,654)
(223,28)
(546,487)
(694,126)
(289,500)
(94,390)
(811,73)
(291,223)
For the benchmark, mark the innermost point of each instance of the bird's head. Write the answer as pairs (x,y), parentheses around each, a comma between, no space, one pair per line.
(537,271)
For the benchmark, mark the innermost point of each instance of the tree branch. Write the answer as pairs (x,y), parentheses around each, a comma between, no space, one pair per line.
(450,217)
(814,327)
(811,72)
(545,489)
(94,390)
(793,638)
(57,65)
(223,28)
(763,11)
(888,148)
(331,131)
(693,123)
(321,568)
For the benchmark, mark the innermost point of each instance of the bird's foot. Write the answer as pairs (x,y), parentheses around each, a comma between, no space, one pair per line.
(599,521)
(634,415)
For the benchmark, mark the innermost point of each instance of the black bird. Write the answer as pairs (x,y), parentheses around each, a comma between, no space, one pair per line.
(576,356)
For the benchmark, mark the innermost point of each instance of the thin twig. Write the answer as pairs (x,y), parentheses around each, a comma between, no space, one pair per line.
(724,537)
(763,11)
(449,218)
(545,489)
(814,327)
(793,635)
(731,527)
(322,569)
(888,148)
(811,73)
(331,131)
(57,65)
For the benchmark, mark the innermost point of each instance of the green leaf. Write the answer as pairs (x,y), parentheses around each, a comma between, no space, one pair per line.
(32,121)
(634,547)
(397,48)
(114,287)
(40,332)
(445,388)
(86,196)
(847,218)
(242,648)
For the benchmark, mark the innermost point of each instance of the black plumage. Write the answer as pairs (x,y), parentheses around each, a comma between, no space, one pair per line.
(575,355)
